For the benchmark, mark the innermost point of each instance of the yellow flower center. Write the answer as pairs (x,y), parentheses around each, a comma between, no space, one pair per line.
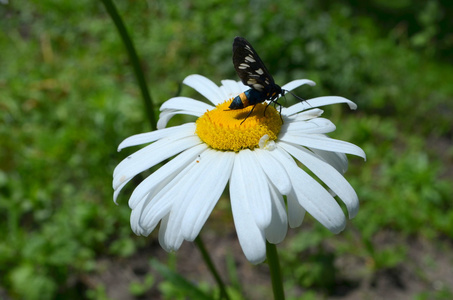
(221,127)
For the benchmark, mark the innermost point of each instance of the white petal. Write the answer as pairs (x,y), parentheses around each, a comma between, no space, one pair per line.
(231,88)
(154,209)
(205,87)
(117,191)
(215,169)
(179,188)
(170,194)
(296,212)
(181,105)
(274,170)
(336,159)
(322,142)
(316,200)
(276,231)
(328,175)
(166,115)
(167,242)
(148,137)
(149,156)
(150,211)
(304,115)
(162,230)
(255,186)
(165,174)
(251,237)
(173,234)
(297,83)
(318,125)
(316,102)
(135,220)
(185,103)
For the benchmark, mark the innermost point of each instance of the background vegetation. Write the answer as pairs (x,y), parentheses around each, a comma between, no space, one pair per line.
(68,97)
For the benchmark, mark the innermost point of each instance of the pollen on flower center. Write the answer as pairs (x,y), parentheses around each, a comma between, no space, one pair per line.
(221,127)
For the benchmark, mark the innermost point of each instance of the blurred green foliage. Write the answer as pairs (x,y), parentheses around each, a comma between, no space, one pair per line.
(68,97)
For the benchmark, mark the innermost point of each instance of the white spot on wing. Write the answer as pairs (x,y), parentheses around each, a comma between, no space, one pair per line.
(250,58)
(243,66)
(260,71)
(251,81)
(258,87)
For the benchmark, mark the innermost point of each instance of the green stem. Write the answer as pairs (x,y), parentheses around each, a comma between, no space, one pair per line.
(210,264)
(274,267)
(111,9)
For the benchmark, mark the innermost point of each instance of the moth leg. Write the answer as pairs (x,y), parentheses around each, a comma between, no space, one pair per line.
(275,102)
(280,109)
(250,112)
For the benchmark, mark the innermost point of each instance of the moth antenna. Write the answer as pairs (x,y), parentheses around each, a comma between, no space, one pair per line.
(297,97)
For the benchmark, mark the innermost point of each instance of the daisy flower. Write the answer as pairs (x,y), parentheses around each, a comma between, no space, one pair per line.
(263,160)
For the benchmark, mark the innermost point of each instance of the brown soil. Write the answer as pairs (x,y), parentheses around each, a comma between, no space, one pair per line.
(427,270)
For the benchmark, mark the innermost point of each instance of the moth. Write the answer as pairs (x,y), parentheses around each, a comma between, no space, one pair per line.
(252,72)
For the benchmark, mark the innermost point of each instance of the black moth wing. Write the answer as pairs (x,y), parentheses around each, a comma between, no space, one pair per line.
(250,68)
